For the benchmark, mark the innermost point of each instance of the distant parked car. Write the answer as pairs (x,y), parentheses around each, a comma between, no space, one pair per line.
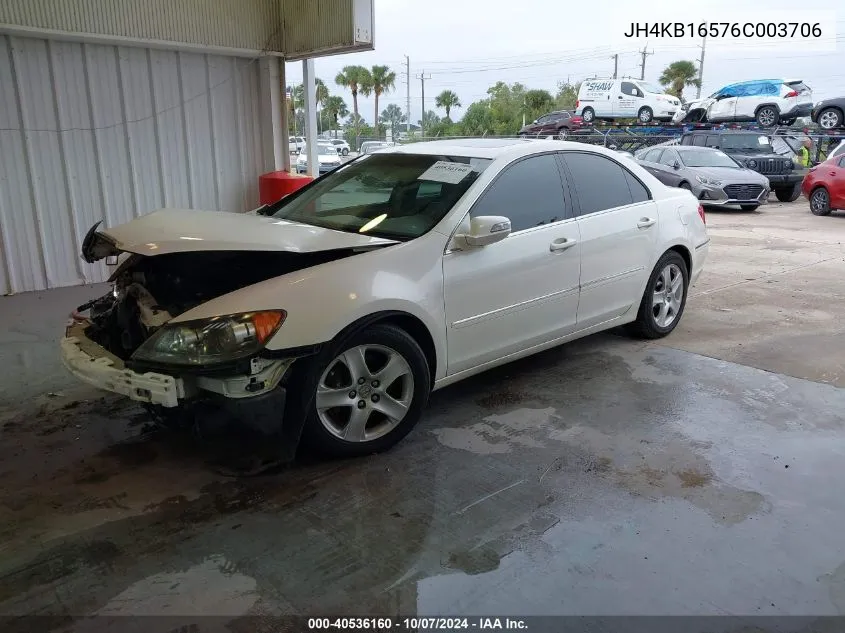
(327,157)
(341,146)
(295,144)
(753,151)
(368,147)
(829,114)
(713,177)
(769,102)
(552,123)
(824,186)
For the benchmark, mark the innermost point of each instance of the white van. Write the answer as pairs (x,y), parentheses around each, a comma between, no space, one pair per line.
(624,99)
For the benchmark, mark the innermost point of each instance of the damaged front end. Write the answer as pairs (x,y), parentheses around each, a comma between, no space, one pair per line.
(126,342)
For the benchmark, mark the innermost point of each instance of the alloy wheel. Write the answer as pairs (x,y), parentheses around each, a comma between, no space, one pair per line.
(819,202)
(828,120)
(364,393)
(667,296)
(766,117)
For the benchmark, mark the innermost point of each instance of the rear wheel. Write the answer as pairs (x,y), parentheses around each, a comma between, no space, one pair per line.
(749,207)
(645,115)
(767,116)
(820,202)
(588,115)
(369,392)
(788,194)
(664,298)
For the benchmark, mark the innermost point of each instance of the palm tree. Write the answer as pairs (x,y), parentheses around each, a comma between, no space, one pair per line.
(393,116)
(336,108)
(356,79)
(447,100)
(679,75)
(382,80)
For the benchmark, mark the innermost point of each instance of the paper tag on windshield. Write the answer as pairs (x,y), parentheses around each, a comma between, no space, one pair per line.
(764,140)
(445,171)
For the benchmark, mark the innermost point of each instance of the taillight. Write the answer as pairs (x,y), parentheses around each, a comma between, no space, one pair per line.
(791,93)
(701,213)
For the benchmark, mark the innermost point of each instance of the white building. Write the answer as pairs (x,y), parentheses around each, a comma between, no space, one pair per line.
(110,110)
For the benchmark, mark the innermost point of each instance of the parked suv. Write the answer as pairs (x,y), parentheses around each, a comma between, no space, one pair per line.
(552,123)
(769,102)
(753,151)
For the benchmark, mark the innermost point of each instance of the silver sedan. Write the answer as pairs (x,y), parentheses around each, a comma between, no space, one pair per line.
(713,177)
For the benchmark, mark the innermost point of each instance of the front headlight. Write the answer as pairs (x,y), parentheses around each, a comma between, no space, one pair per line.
(752,164)
(209,341)
(708,181)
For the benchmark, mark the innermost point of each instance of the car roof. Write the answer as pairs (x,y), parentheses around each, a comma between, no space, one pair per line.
(494,148)
(755,132)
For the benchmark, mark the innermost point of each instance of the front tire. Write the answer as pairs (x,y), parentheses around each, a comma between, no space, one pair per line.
(664,298)
(685,185)
(830,119)
(588,115)
(820,201)
(370,389)
(345,152)
(788,194)
(767,116)
(645,115)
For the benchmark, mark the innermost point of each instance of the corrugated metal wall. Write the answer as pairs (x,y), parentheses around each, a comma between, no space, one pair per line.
(142,129)
(243,24)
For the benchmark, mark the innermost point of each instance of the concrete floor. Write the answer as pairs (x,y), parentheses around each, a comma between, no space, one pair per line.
(693,476)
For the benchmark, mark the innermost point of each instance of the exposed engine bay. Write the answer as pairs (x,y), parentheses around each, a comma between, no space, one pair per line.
(149,291)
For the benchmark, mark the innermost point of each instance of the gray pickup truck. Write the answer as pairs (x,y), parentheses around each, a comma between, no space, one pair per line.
(754,151)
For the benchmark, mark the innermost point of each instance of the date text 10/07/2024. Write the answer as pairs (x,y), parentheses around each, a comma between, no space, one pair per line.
(417,624)
(725,29)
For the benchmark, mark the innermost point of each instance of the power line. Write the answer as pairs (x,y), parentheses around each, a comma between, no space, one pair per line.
(644,54)
(422,77)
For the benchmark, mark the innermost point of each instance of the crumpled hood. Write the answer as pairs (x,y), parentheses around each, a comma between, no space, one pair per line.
(184,230)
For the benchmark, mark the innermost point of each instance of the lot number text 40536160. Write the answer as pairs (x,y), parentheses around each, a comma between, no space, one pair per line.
(725,29)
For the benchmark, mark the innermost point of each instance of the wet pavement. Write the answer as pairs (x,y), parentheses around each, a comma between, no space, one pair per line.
(609,476)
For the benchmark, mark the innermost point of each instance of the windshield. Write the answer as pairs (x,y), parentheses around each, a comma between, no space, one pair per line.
(705,158)
(746,142)
(396,196)
(325,150)
(648,87)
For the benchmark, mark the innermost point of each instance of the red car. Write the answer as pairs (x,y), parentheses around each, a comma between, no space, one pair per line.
(553,123)
(824,186)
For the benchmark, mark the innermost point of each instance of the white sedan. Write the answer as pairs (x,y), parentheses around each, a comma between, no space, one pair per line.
(337,310)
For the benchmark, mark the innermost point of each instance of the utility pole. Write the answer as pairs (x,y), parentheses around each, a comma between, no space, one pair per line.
(701,67)
(645,54)
(408,95)
(615,64)
(422,77)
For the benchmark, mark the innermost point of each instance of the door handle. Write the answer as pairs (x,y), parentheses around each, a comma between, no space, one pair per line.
(562,244)
(645,223)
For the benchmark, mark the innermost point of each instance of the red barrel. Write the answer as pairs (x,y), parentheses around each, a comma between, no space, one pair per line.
(278,184)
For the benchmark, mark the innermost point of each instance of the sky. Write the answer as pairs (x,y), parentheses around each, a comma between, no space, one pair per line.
(468,45)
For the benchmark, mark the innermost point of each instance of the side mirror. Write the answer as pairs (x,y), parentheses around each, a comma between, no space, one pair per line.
(677,165)
(485,230)
(534,122)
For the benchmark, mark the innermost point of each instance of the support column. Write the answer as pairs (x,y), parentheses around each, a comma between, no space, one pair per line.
(283,87)
(272,105)
(309,84)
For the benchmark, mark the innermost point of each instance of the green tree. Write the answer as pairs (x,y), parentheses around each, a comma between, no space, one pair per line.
(447,100)
(478,119)
(392,116)
(429,120)
(382,80)
(567,95)
(335,107)
(355,129)
(356,79)
(679,75)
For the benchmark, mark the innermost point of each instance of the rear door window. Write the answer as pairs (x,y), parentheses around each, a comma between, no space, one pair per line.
(599,182)
(712,141)
(699,140)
